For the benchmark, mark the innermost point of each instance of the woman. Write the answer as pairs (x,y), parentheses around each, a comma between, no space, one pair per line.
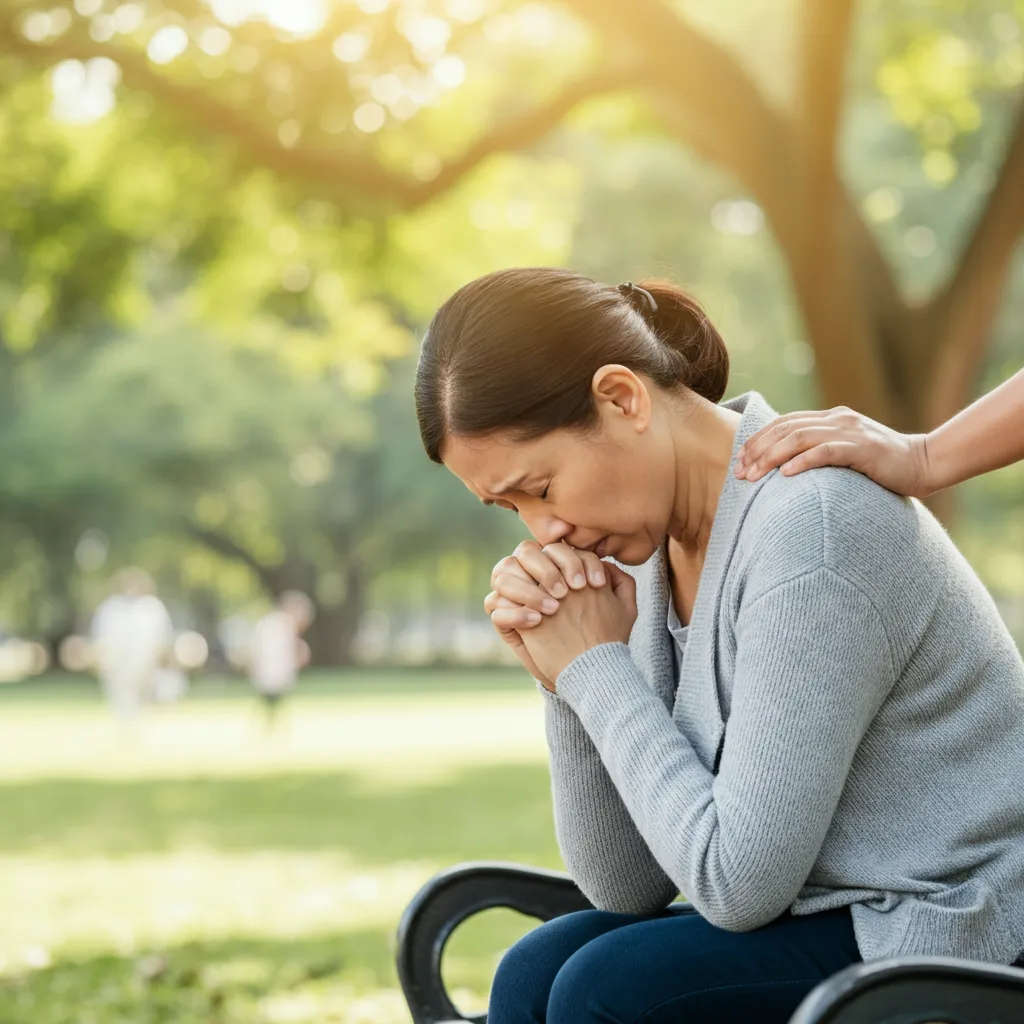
(798,707)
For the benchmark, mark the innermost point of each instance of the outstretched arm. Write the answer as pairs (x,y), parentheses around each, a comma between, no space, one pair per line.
(987,435)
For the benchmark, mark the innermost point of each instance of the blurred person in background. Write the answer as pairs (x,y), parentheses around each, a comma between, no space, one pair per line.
(987,435)
(277,651)
(132,635)
(790,700)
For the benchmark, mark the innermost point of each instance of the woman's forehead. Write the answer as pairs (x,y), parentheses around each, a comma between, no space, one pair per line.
(492,465)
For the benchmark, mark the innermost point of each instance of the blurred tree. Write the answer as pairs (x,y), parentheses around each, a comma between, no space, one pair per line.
(177,374)
(174,374)
(365,105)
(290,185)
(349,500)
(167,435)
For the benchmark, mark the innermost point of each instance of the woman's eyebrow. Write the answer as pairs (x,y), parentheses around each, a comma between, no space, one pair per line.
(513,485)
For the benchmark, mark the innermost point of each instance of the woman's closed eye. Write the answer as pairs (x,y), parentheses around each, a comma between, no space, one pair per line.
(513,508)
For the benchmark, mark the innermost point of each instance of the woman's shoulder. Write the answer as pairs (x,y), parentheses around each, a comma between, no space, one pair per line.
(836,520)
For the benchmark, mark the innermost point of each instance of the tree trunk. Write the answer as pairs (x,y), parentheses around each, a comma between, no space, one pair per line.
(56,617)
(333,630)
(330,638)
(332,633)
(909,366)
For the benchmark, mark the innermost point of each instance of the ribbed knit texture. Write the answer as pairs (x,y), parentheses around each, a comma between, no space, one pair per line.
(871,704)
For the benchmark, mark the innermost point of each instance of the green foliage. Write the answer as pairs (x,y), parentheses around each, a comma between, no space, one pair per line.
(216,261)
(939,74)
(65,258)
(173,433)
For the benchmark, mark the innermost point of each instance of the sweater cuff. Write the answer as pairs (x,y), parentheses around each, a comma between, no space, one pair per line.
(601,680)
(549,697)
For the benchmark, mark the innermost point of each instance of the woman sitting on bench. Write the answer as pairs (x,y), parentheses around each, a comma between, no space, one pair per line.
(789,699)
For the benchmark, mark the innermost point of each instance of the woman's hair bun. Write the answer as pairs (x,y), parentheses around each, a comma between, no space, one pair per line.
(681,324)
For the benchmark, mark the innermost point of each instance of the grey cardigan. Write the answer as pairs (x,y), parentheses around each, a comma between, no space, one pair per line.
(867,706)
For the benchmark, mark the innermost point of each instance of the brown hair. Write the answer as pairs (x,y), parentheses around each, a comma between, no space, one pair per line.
(517,350)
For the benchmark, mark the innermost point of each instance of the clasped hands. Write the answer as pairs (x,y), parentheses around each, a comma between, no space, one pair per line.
(551,604)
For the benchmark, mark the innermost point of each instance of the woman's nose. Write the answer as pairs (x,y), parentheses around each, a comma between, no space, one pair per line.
(546,529)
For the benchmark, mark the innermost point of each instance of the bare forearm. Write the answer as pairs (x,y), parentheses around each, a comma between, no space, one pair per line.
(986,435)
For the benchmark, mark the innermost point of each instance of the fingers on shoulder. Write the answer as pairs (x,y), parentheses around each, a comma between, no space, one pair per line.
(829,453)
(771,432)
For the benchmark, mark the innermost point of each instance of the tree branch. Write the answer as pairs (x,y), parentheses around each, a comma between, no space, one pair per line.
(710,101)
(962,313)
(706,129)
(837,263)
(719,102)
(878,283)
(831,220)
(337,173)
(824,29)
(516,133)
(228,548)
(997,229)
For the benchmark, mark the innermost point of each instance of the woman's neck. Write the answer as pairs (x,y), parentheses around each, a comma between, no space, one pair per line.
(703,437)
(703,440)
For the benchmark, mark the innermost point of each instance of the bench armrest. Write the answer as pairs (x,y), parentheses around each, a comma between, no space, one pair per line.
(451,897)
(914,990)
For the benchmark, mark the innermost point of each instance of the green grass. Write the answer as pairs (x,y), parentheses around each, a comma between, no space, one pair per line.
(202,870)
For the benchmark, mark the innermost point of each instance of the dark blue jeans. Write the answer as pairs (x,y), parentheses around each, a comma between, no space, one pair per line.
(595,967)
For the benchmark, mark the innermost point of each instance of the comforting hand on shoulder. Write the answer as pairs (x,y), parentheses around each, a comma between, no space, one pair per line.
(585,618)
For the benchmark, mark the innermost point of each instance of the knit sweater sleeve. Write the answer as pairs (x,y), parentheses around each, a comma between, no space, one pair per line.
(813,665)
(600,844)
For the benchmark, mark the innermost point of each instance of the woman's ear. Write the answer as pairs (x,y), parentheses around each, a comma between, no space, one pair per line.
(622,396)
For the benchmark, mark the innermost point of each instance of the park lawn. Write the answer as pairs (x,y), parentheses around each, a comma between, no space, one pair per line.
(203,870)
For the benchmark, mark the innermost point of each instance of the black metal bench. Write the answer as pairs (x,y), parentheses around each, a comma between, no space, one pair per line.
(914,990)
